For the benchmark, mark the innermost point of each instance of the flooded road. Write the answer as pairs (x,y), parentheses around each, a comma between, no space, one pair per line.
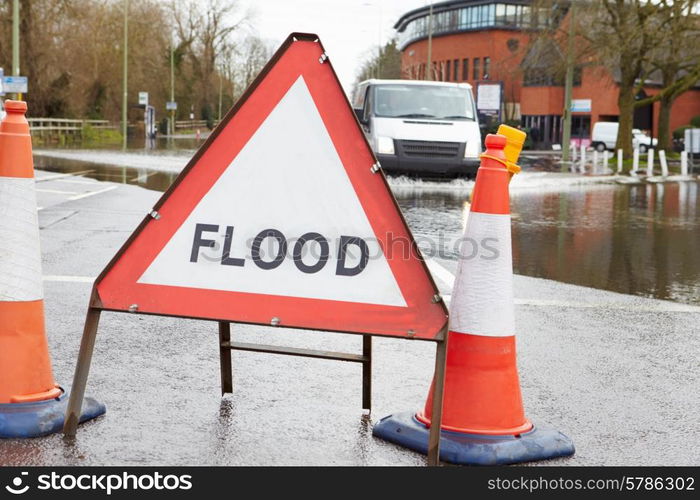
(641,240)
(636,239)
(590,361)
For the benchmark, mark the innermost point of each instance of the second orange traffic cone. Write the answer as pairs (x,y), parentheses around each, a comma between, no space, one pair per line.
(31,404)
(483,418)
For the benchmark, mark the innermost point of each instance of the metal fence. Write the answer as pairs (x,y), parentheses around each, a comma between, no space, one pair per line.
(49,127)
(190,124)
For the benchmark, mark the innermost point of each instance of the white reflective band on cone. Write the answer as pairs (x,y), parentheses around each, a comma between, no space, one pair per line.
(482,298)
(20,256)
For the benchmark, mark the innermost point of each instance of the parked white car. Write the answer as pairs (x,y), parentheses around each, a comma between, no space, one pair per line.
(604,137)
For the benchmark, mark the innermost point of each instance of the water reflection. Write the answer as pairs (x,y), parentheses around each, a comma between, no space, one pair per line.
(637,239)
(149,179)
(642,240)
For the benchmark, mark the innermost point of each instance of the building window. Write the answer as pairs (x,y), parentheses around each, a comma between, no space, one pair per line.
(448,68)
(487,68)
(475,66)
(474,17)
(455,70)
(581,126)
(465,69)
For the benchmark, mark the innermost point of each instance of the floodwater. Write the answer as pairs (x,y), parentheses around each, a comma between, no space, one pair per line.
(634,239)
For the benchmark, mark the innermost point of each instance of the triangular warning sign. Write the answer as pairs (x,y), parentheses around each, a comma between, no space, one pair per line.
(280,219)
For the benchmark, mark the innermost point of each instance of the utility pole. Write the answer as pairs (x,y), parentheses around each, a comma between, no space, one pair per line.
(15,40)
(429,67)
(172,87)
(379,43)
(221,92)
(125,101)
(568,84)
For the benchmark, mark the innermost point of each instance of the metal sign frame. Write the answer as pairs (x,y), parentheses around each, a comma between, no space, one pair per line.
(96,304)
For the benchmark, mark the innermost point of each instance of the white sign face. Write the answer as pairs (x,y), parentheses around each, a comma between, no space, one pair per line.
(286,188)
(143,98)
(171,106)
(488,97)
(691,138)
(581,105)
(15,84)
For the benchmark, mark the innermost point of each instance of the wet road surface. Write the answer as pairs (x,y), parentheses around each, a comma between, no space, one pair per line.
(636,239)
(615,372)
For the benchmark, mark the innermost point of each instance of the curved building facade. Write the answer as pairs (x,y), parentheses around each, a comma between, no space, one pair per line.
(487,44)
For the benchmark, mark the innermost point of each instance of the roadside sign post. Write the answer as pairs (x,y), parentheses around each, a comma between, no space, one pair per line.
(172,107)
(217,245)
(15,84)
(489,99)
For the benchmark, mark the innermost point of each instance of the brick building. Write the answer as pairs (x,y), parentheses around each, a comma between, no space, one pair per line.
(485,42)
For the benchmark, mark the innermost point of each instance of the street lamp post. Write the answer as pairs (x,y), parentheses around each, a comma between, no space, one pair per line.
(15,40)
(221,94)
(568,84)
(172,88)
(125,101)
(429,67)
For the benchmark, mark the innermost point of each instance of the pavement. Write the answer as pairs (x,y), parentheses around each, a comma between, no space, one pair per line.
(617,373)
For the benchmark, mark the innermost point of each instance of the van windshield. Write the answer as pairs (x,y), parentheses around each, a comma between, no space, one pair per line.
(423,101)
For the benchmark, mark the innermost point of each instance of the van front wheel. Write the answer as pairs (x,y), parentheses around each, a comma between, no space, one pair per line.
(600,147)
(642,148)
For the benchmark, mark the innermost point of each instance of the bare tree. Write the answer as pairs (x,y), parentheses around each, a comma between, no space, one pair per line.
(204,29)
(676,59)
(632,39)
(384,62)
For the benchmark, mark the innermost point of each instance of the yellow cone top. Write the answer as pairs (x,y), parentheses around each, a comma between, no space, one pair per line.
(514,145)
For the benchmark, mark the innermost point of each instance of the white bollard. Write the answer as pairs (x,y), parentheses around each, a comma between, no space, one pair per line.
(684,163)
(664,165)
(650,163)
(635,162)
(583,159)
(619,161)
(606,160)
(594,167)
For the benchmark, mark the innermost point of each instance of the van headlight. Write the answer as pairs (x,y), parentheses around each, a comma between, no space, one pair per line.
(385,145)
(472,149)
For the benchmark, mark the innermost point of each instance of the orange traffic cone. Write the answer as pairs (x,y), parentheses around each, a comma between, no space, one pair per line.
(31,404)
(483,420)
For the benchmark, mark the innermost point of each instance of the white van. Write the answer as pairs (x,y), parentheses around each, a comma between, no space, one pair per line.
(604,137)
(419,127)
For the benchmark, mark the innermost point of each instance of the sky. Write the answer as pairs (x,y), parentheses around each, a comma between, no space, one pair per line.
(349,29)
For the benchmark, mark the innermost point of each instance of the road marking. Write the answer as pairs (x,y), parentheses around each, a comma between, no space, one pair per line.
(76,181)
(441,272)
(143,177)
(446,276)
(68,279)
(92,193)
(55,191)
(653,307)
(666,307)
(61,176)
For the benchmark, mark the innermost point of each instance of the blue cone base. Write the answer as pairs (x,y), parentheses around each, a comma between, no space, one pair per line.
(475,449)
(25,420)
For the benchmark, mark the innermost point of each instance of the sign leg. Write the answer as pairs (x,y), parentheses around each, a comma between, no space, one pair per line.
(436,421)
(82,369)
(225,355)
(367,372)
